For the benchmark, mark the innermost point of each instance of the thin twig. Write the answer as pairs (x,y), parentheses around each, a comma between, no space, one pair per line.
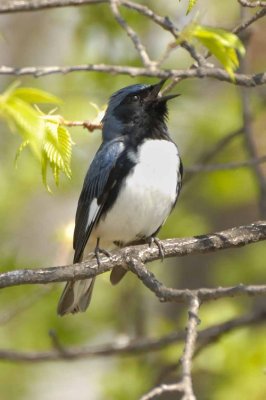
(134,346)
(85,124)
(225,166)
(164,22)
(9,313)
(218,146)
(250,140)
(259,14)
(161,389)
(200,164)
(141,50)
(212,334)
(190,342)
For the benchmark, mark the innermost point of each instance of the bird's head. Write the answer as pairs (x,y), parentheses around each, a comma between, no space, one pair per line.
(135,107)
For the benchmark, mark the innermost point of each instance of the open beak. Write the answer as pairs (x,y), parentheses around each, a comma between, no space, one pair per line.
(167,97)
(153,95)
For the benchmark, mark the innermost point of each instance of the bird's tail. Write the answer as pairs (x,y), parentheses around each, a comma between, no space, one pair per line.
(76,297)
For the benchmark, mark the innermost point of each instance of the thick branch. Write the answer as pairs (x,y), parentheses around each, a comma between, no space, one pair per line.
(230,238)
(252,4)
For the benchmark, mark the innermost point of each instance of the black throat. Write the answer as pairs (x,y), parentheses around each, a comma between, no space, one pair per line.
(148,126)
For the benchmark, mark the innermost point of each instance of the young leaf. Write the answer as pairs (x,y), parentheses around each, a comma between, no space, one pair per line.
(9,91)
(222,44)
(49,142)
(33,95)
(191,4)
(25,120)
(20,149)
(44,165)
(57,149)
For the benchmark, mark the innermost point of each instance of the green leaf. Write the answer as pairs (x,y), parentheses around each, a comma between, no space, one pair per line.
(44,165)
(222,44)
(33,95)
(57,150)
(49,142)
(9,90)
(191,4)
(20,149)
(25,120)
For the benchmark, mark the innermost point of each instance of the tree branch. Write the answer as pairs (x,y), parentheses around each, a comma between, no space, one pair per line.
(225,166)
(163,388)
(141,50)
(249,138)
(11,6)
(252,4)
(166,294)
(240,28)
(212,334)
(91,126)
(134,258)
(205,337)
(134,346)
(190,342)
(248,80)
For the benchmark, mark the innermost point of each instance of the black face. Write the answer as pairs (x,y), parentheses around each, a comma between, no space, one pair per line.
(141,107)
(136,110)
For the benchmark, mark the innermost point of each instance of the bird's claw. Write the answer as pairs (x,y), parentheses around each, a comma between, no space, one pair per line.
(159,246)
(99,251)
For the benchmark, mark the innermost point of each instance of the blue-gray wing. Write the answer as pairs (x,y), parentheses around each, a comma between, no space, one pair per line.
(93,194)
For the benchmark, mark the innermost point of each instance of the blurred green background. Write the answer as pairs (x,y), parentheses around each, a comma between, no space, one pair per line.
(35,227)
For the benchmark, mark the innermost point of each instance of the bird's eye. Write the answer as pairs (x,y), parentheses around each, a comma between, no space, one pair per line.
(135,98)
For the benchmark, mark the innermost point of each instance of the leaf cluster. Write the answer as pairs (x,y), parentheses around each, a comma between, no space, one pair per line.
(49,142)
(224,45)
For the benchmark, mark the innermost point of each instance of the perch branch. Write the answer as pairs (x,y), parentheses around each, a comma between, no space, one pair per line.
(133,257)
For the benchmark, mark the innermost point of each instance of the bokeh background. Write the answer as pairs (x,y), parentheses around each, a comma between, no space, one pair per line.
(36,226)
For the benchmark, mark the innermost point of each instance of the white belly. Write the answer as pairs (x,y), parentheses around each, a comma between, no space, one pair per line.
(147,197)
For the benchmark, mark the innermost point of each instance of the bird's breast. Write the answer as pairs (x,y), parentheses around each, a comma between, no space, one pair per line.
(147,193)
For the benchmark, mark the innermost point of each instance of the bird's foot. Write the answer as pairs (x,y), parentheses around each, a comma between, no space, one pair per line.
(159,244)
(99,251)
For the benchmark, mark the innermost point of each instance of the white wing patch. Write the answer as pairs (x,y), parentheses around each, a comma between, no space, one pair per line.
(94,208)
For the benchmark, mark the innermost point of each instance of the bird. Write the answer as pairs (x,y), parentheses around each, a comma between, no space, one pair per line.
(131,186)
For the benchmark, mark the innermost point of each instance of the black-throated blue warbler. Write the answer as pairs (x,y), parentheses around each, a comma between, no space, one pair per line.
(131,186)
